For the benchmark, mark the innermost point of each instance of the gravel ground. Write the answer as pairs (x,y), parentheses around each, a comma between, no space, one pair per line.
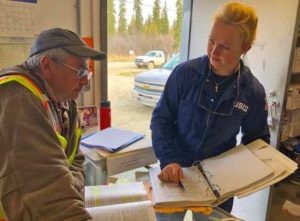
(126,112)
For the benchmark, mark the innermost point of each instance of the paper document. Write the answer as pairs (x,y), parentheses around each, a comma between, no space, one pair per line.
(136,211)
(111,139)
(240,171)
(197,191)
(281,165)
(126,202)
(235,170)
(114,194)
(118,163)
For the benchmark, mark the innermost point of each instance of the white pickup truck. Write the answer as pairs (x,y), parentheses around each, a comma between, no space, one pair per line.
(151,59)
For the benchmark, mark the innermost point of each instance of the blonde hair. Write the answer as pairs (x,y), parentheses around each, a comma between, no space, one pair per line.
(241,15)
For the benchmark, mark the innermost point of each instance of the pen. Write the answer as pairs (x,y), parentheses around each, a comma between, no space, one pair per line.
(181,185)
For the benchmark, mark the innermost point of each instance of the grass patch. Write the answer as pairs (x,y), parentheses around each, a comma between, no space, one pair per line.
(130,73)
(114,57)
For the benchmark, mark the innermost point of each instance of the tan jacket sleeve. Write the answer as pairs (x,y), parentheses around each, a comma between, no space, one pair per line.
(76,166)
(77,171)
(35,181)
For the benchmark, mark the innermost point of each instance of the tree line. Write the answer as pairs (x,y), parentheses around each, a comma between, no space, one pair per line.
(139,34)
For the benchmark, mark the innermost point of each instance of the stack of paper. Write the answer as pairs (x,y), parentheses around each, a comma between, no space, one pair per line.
(111,139)
(138,154)
(281,165)
(243,168)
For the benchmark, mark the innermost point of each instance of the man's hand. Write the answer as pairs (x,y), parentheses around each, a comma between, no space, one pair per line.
(171,173)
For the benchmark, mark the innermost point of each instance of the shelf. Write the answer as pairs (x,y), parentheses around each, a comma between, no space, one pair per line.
(295,72)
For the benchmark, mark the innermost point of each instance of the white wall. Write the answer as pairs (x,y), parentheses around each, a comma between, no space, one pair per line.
(269,57)
(15,45)
(65,14)
(57,13)
(80,16)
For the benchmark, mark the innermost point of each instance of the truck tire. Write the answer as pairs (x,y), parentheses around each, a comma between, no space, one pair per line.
(150,65)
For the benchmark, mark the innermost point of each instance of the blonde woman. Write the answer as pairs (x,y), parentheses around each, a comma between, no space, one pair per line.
(207,101)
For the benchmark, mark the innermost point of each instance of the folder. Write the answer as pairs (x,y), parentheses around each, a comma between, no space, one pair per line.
(111,139)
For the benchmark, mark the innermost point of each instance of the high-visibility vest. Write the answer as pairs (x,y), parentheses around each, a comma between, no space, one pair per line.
(2,215)
(31,86)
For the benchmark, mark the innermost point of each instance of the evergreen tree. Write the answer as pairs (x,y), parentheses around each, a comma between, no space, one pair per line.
(122,19)
(156,16)
(164,24)
(177,25)
(148,25)
(111,20)
(132,25)
(137,8)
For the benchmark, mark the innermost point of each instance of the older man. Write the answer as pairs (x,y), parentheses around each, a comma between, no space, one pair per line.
(41,176)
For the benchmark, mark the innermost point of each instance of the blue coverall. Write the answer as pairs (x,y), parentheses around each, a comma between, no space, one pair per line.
(190,123)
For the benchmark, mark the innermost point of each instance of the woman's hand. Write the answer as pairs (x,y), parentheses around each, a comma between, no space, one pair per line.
(171,173)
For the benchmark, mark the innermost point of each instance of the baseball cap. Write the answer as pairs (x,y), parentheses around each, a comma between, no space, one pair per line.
(66,39)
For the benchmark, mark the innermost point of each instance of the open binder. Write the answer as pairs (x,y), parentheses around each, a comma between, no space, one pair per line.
(238,172)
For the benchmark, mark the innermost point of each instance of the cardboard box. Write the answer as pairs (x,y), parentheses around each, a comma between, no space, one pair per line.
(292,123)
(296,63)
(284,129)
(293,99)
(292,104)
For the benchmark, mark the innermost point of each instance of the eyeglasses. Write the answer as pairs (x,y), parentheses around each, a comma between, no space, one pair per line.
(225,110)
(81,73)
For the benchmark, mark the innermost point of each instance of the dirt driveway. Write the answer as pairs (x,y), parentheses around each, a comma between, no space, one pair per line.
(126,112)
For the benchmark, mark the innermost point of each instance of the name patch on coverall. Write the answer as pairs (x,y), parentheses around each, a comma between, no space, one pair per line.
(241,106)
